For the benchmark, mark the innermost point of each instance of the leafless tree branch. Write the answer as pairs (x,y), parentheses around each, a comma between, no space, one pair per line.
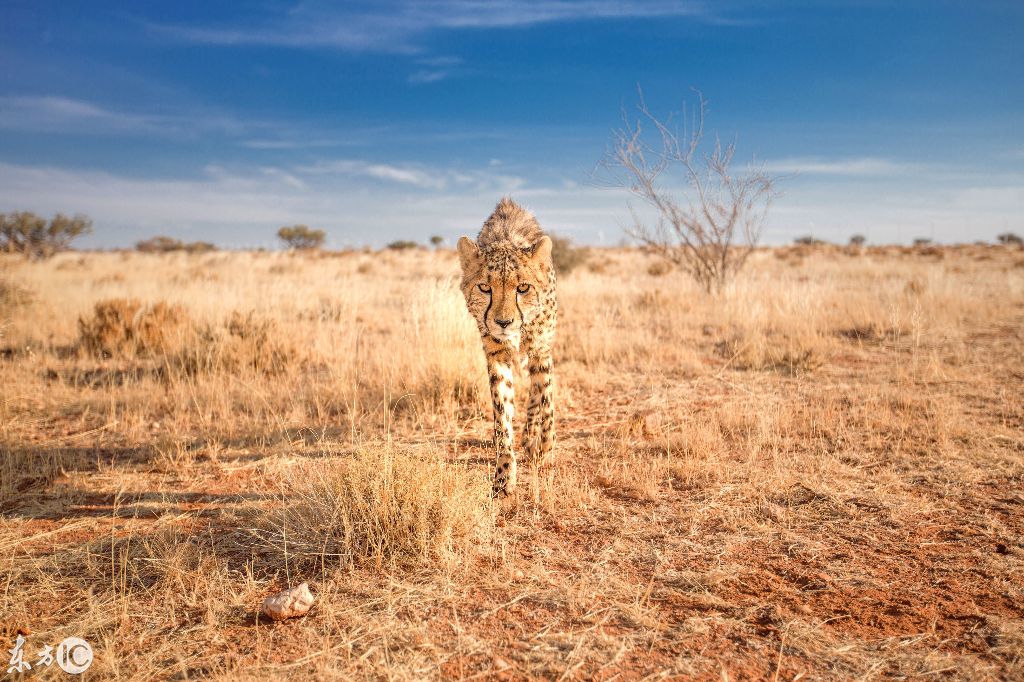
(712,219)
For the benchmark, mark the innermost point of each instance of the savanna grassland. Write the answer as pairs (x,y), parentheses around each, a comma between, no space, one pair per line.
(815,474)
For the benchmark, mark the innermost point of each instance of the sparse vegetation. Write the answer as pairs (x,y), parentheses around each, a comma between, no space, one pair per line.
(858,240)
(1010,238)
(820,461)
(162,244)
(301,237)
(436,241)
(402,245)
(33,236)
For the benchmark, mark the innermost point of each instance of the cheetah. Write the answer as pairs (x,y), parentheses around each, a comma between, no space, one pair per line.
(508,279)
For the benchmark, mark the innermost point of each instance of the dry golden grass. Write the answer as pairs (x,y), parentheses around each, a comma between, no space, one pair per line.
(816,474)
(380,507)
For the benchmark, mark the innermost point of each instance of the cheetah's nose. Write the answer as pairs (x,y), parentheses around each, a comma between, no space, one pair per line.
(502,323)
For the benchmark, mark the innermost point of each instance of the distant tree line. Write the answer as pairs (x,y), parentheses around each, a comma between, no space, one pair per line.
(33,236)
(162,244)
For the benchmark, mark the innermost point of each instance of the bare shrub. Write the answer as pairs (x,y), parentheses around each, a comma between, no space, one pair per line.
(565,255)
(712,222)
(123,327)
(402,245)
(382,507)
(35,237)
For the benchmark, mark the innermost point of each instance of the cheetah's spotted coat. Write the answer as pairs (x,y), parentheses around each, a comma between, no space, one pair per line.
(508,280)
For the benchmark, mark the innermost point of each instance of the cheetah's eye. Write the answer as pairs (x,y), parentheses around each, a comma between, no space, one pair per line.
(523,288)
(484,288)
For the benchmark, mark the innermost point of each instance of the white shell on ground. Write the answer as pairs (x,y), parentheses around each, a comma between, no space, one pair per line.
(288,603)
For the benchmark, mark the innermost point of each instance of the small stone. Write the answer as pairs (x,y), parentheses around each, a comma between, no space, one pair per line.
(288,603)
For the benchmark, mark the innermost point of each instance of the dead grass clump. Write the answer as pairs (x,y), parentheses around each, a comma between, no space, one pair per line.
(651,300)
(599,266)
(659,268)
(257,343)
(383,507)
(21,470)
(125,327)
(247,342)
(638,478)
(914,287)
(12,296)
(792,352)
(171,561)
(868,332)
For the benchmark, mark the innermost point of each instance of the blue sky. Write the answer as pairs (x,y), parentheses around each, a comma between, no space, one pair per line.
(398,120)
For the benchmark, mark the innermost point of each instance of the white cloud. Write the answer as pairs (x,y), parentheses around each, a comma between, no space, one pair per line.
(289,144)
(395,27)
(424,76)
(407,174)
(863,167)
(422,177)
(48,113)
(58,114)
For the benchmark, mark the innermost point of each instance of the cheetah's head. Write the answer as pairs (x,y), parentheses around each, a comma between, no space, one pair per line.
(505,286)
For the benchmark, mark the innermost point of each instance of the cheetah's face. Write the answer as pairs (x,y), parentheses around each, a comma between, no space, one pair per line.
(505,286)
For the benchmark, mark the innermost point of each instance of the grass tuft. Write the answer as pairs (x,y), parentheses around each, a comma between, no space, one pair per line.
(383,507)
(125,327)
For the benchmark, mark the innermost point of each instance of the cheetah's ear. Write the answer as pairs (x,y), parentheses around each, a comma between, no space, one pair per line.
(469,254)
(542,251)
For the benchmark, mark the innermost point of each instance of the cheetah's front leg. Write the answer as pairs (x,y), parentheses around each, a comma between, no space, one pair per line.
(499,369)
(540,413)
